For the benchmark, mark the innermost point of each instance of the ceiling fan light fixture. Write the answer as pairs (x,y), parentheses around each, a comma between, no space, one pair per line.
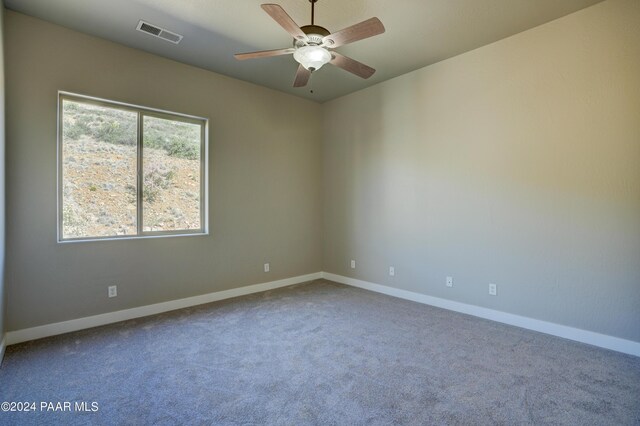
(312,57)
(311,44)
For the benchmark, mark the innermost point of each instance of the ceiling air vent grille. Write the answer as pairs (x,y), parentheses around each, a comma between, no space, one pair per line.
(156,31)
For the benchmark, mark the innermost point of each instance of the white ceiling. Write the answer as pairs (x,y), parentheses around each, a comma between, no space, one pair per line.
(419,32)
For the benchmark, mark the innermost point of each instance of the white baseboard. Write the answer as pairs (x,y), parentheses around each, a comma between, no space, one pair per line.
(584,336)
(2,348)
(18,336)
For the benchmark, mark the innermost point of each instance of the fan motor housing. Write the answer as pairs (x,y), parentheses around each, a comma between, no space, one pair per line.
(315,34)
(315,29)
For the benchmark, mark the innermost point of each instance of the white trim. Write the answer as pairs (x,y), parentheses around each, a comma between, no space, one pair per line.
(584,336)
(18,336)
(602,340)
(3,346)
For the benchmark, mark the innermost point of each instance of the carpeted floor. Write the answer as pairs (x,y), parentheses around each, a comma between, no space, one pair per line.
(319,353)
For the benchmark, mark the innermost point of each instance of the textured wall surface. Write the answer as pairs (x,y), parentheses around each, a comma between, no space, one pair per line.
(264,180)
(515,164)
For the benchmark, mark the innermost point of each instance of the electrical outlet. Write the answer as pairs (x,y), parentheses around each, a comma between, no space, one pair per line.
(449,281)
(392,271)
(493,289)
(353,264)
(113,290)
(267,268)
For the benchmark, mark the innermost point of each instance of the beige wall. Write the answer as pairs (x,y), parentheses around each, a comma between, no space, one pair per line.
(517,164)
(264,180)
(2,173)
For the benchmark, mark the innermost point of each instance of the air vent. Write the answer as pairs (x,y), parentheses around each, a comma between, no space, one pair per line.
(156,31)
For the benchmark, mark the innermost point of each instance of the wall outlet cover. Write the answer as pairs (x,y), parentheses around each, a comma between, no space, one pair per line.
(493,289)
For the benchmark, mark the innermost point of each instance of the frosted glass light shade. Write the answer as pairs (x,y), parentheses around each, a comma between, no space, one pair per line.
(312,57)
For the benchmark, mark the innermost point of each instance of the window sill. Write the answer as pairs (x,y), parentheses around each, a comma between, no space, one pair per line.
(132,237)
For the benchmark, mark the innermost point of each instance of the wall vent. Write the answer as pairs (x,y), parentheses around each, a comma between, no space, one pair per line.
(156,31)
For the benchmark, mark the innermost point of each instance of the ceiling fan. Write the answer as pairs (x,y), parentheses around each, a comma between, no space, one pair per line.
(312,44)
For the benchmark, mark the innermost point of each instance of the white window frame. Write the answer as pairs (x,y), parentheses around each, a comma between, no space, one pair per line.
(141,112)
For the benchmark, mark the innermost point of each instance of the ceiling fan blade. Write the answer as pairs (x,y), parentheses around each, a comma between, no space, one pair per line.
(365,29)
(302,77)
(264,54)
(351,65)
(285,21)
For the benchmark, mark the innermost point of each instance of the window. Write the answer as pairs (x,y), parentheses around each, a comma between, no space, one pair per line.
(127,171)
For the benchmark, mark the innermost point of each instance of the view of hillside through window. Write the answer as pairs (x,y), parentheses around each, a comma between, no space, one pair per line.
(99,159)
(171,164)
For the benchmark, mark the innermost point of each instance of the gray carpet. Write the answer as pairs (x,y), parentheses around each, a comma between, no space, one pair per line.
(320,353)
